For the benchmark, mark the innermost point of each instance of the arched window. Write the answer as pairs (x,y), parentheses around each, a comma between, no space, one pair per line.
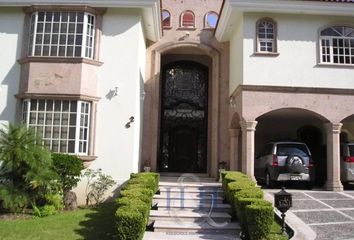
(211,19)
(337,45)
(187,19)
(266,36)
(166,19)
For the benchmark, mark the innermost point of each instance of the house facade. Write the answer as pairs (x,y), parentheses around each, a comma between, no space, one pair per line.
(180,86)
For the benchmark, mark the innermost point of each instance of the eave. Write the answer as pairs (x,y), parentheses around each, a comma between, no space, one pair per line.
(150,10)
(234,9)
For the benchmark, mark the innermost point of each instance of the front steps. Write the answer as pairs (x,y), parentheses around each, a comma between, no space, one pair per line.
(191,210)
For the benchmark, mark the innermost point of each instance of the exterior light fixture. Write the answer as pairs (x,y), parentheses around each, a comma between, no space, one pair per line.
(131,120)
(283,202)
(116,91)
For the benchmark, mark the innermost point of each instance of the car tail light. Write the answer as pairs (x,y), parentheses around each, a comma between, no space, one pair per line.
(311,164)
(275,160)
(349,159)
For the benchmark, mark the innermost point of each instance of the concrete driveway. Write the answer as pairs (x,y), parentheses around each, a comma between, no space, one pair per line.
(329,214)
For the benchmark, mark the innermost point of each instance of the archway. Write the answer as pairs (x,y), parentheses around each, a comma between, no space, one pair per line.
(162,54)
(184,118)
(295,124)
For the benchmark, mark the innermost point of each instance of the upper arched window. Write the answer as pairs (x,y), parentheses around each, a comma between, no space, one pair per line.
(166,19)
(266,36)
(337,45)
(187,19)
(211,19)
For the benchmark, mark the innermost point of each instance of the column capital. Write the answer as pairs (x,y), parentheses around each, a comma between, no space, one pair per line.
(334,128)
(248,125)
(234,132)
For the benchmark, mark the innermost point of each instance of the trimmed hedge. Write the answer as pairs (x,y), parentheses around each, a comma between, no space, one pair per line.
(130,223)
(134,205)
(260,217)
(254,214)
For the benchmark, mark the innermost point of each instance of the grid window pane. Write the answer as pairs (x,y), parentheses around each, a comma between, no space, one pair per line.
(56,122)
(337,45)
(60,34)
(266,36)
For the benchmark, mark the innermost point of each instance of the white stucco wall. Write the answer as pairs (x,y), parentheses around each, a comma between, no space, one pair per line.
(236,56)
(297,63)
(122,51)
(11,30)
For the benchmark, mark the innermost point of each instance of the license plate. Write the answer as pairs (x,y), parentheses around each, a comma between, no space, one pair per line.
(295,177)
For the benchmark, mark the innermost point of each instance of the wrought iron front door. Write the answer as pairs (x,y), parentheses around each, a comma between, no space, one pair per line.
(184,118)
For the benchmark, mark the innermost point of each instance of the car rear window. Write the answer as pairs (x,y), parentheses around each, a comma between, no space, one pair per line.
(287,149)
(351,150)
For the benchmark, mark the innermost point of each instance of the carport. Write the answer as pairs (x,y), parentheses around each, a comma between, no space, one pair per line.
(259,114)
(293,124)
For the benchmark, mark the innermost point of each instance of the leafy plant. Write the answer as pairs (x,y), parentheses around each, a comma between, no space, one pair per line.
(26,168)
(69,169)
(97,184)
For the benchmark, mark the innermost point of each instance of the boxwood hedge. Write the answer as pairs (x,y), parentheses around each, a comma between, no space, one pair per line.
(134,204)
(254,214)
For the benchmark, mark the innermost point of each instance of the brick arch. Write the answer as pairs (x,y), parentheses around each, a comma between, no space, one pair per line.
(304,110)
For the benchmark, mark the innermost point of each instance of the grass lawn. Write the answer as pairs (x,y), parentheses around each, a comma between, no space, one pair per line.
(95,224)
(275,232)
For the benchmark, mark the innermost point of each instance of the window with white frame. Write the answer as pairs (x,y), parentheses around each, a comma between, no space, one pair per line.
(266,36)
(337,45)
(62,34)
(63,124)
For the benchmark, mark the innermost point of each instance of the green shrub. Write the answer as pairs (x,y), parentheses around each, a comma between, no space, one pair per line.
(253,192)
(240,207)
(134,205)
(145,182)
(55,200)
(44,211)
(236,186)
(230,176)
(139,193)
(13,199)
(97,184)
(69,168)
(259,217)
(26,169)
(130,223)
(152,174)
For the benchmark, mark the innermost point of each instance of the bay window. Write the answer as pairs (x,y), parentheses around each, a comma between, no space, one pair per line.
(62,34)
(63,124)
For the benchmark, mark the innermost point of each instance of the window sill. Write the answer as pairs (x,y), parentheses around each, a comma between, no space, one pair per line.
(60,60)
(331,65)
(266,54)
(87,160)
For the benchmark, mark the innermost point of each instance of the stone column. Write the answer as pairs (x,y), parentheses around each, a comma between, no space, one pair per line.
(248,132)
(333,182)
(233,133)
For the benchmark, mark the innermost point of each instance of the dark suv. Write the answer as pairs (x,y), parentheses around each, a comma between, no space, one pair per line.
(284,161)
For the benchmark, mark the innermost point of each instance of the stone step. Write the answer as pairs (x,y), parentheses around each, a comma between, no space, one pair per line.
(185,215)
(216,190)
(187,236)
(190,184)
(191,227)
(188,196)
(177,175)
(217,207)
(176,201)
(188,180)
